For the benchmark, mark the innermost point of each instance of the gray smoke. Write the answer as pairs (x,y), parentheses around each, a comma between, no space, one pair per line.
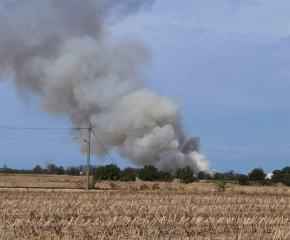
(62,51)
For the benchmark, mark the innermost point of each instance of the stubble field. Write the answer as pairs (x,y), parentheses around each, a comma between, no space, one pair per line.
(55,207)
(142,215)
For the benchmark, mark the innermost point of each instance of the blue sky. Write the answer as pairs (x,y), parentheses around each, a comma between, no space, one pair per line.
(228,61)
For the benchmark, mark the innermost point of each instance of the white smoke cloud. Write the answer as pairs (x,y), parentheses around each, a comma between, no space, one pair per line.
(62,51)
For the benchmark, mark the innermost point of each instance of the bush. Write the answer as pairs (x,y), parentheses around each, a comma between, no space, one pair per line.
(165,176)
(266,182)
(113,186)
(221,186)
(155,187)
(148,173)
(108,172)
(243,179)
(257,174)
(144,187)
(128,175)
(187,175)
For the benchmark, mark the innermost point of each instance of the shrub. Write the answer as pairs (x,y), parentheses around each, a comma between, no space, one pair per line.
(128,175)
(165,176)
(148,173)
(144,187)
(243,179)
(257,174)
(187,175)
(221,186)
(109,172)
(266,182)
(155,187)
(113,186)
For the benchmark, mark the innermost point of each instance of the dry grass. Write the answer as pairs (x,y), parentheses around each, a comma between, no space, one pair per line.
(142,215)
(78,182)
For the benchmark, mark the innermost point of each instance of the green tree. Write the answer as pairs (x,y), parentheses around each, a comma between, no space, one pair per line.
(278,176)
(148,173)
(242,179)
(231,176)
(201,175)
(257,174)
(109,172)
(128,175)
(187,175)
(218,176)
(74,171)
(60,170)
(282,176)
(207,176)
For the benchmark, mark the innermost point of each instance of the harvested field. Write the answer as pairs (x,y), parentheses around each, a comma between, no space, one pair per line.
(143,215)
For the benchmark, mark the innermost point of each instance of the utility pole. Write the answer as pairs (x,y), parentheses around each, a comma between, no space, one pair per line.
(88,157)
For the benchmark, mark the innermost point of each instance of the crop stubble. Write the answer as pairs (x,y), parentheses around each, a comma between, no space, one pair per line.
(143,215)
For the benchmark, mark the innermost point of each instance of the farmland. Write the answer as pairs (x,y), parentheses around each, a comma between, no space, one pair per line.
(139,214)
(55,207)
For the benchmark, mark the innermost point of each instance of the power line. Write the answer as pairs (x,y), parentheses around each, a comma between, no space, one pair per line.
(103,146)
(38,128)
(144,137)
(140,146)
(37,139)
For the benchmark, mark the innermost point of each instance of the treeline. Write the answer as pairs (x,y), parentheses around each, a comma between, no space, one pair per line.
(51,169)
(147,173)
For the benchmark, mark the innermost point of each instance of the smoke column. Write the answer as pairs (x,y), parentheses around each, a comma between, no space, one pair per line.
(63,52)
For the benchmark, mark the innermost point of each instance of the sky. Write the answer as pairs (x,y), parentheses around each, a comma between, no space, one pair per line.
(227,61)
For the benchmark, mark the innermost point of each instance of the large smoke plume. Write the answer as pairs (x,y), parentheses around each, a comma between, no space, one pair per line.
(62,51)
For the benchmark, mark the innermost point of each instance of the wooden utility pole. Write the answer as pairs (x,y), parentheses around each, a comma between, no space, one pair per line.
(88,157)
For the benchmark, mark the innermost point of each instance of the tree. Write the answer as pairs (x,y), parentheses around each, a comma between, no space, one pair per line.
(231,176)
(51,168)
(243,179)
(218,176)
(282,176)
(60,170)
(278,176)
(187,175)
(74,171)
(108,172)
(148,173)
(207,176)
(128,175)
(178,173)
(257,174)
(37,169)
(201,175)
